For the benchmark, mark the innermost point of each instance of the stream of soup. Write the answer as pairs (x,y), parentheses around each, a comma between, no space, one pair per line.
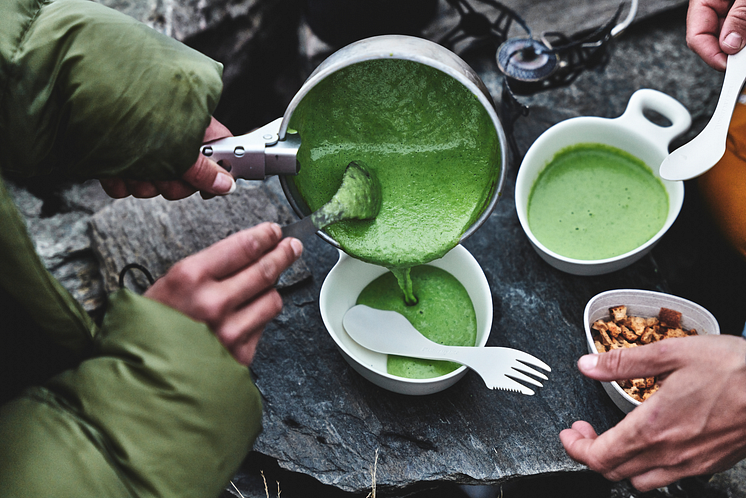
(436,153)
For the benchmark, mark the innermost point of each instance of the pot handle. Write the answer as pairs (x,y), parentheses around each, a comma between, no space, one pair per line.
(257,154)
(667,106)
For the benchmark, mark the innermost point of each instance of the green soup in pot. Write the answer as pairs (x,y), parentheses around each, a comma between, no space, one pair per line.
(594,202)
(426,137)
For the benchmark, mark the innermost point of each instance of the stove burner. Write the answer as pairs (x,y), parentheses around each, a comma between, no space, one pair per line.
(526,60)
(530,65)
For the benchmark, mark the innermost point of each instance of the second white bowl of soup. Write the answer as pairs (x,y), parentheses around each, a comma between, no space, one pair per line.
(588,193)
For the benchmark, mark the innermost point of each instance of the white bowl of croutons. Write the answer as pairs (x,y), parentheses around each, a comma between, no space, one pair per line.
(631,318)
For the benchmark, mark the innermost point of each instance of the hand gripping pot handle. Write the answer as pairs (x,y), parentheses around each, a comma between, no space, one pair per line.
(258,154)
(670,108)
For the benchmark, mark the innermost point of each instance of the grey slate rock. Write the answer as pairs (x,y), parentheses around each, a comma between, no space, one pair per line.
(157,233)
(321,418)
(62,239)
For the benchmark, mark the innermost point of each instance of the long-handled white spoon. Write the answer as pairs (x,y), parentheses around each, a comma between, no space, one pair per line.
(705,150)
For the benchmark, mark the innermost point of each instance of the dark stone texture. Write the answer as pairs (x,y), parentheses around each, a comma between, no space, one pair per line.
(58,226)
(323,419)
(157,233)
(324,425)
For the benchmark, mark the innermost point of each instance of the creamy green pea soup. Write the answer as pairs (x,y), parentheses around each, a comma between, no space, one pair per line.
(436,153)
(443,313)
(426,137)
(594,201)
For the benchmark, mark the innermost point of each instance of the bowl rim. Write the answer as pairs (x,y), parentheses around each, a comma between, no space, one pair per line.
(649,295)
(458,252)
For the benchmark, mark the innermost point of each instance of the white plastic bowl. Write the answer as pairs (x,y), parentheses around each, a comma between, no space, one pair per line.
(631,132)
(350,276)
(645,304)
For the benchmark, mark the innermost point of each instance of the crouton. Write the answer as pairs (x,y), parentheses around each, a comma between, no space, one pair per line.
(622,331)
(670,318)
(628,334)
(618,313)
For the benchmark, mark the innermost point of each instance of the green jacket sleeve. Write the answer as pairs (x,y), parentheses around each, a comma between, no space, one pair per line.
(162,410)
(88,92)
(159,408)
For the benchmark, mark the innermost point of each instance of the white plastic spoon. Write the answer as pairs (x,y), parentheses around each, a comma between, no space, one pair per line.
(705,150)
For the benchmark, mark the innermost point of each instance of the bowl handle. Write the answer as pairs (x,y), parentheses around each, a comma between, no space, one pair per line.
(667,106)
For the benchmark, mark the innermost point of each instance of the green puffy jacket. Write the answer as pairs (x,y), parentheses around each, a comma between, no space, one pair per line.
(153,405)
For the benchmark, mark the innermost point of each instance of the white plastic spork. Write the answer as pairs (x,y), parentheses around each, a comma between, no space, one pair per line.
(389,332)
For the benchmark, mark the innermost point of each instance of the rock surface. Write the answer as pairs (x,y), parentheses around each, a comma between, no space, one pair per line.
(57,222)
(156,233)
(324,424)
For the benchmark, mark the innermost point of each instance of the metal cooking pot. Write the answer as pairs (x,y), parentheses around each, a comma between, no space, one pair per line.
(271,150)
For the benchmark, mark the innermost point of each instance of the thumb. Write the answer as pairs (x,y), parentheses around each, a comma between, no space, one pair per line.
(627,363)
(206,176)
(733,32)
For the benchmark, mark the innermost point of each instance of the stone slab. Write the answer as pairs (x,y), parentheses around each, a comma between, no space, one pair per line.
(324,420)
(157,233)
(56,218)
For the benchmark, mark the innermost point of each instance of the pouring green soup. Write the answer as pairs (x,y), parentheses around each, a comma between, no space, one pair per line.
(436,153)
(426,137)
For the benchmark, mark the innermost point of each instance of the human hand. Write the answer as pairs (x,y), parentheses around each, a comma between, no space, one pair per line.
(229,286)
(694,424)
(715,29)
(205,175)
